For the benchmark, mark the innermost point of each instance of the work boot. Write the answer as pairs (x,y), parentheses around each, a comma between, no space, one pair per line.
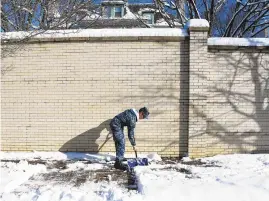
(120,165)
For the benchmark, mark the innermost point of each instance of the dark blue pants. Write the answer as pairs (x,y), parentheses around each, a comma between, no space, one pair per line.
(120,147)
(118,137)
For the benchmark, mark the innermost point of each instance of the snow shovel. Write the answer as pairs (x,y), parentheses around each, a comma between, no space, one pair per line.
(137,161)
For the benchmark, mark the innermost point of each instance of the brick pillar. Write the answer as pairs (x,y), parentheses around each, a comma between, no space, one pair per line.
(198,69)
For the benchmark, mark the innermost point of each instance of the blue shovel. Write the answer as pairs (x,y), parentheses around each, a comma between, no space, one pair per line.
(137,161)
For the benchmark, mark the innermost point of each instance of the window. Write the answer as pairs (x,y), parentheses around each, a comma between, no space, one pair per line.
(114,11)
(118,11)
(108,11)
(149,18)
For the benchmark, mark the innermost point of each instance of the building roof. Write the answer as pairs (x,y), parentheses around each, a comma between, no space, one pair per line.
(132,16)
(109,23)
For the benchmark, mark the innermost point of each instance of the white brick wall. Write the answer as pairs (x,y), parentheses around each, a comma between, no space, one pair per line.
(203,100)
(60,96)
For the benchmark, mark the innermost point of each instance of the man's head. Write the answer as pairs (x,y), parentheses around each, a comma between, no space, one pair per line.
(143,113)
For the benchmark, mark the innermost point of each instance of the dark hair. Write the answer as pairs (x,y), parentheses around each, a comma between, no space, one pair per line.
(145,112)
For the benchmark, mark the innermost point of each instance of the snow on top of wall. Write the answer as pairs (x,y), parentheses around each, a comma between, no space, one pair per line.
(92,33)
(227,41)
(135,32)
(197,23)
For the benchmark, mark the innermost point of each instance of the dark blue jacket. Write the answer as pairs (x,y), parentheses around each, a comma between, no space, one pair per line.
(127,118)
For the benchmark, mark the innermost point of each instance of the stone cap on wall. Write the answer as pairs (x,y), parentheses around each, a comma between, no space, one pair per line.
(236,43)
(197,25)
(136,34)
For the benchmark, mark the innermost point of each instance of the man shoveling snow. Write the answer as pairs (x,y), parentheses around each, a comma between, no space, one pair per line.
(127,118)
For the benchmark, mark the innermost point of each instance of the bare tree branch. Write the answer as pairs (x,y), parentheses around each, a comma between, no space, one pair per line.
(38,16)
(244,20)
(28,15)
(241,18)
(194,7)
(260,30)
(161,5)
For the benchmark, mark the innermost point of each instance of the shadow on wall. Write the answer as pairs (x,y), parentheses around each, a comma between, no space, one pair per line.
(257,70)
(12,50)
(86,142)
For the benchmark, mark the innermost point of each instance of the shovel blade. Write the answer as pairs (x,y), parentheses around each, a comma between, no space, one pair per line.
(137,162)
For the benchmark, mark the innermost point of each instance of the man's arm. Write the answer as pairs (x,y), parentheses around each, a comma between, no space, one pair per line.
(131,135)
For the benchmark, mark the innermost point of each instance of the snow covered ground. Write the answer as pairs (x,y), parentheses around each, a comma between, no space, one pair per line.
(56,176)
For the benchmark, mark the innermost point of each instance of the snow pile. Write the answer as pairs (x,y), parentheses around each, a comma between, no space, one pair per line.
(245,42)
(154,157)
(147,10)
(161,22)
(129,14)
(54,156)
(238,177)
(197,23)
(231,177)
(92,16)
(13,175)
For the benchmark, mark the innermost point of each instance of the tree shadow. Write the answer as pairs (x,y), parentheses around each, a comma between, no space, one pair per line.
(6,68)
(243,102)
(87,141)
